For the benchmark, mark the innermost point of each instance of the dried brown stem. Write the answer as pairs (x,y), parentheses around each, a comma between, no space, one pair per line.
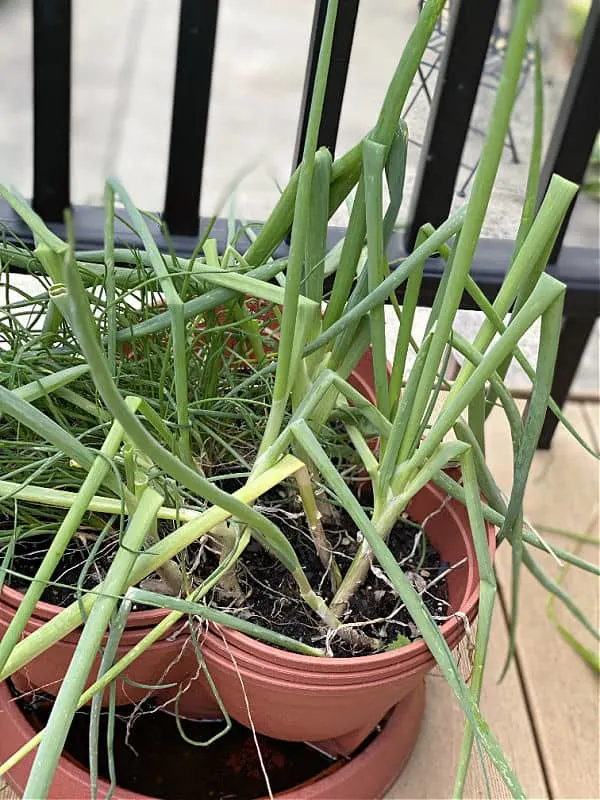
(313,516)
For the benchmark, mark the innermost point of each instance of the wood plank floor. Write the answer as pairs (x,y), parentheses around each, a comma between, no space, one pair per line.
(562,691)
(430,772)
(545,712)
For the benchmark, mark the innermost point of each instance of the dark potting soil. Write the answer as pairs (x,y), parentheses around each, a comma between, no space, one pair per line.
(156,761)
(270,595)
(272,600)
(67,579)
(29,554)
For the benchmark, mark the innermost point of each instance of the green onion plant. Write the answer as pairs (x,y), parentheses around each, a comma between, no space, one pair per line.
(136,386)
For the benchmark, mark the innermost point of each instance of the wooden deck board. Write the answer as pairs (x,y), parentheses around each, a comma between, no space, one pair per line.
(591,413)
(430,771)
(562,690)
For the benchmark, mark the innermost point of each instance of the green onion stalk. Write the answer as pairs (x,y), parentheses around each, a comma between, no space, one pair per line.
(413,419)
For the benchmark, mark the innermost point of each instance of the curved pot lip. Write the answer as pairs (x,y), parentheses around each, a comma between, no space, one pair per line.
(396,724)
(46,611)
(327,688)
(401,666)
(400,663)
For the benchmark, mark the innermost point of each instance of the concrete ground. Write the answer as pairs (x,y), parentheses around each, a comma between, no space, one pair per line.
(123,66)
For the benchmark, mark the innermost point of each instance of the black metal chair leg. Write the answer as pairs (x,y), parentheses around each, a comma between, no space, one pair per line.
(573,340)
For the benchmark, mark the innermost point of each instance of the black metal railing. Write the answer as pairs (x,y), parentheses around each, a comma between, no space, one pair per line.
(51,107)
(189,122)
(461,71)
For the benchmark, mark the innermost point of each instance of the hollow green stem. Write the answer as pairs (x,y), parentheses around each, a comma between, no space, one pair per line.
(487,594)
(289,333)
(65,705)
(68,528)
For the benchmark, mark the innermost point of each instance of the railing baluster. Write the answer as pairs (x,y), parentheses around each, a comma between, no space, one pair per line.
(467,44)
(578,120)
(336,78)
(51,107)
(195,51)
(568,155)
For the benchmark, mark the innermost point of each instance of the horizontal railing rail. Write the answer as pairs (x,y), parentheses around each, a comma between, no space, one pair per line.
(577,266)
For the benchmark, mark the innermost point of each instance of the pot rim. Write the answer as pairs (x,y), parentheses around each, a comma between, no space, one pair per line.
(414,652)
(44,612)
(250,663)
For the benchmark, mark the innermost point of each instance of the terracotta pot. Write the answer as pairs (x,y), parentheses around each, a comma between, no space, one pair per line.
(362,378)
(338,702)
(152,668)
(239,345)
(367,776)
(47,670)
(233,345)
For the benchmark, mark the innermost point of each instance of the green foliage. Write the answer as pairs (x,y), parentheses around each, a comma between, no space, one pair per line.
(133,395)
